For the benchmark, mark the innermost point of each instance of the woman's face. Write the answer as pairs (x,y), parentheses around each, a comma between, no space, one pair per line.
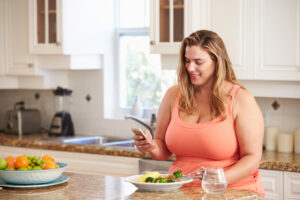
(199,65)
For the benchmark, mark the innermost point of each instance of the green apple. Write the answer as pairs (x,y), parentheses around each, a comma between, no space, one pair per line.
(3,164)
(36,168)
(22,169)
(10,168)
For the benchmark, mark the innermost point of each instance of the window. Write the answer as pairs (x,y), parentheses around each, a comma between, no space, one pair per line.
(140,71)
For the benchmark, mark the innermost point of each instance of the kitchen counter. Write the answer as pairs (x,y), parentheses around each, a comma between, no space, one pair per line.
(270,160)
(82,186)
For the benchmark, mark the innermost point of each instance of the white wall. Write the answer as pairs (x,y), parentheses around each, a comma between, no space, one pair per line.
(88,115)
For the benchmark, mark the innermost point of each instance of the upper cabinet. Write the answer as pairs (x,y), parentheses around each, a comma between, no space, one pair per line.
(45,26)
(234,28)
(66,26)
(171,21)
(2,39)
(69,34)
(167,25)
(18,59)
(277,40)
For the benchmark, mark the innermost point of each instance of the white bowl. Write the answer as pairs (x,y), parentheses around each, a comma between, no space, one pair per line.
(157,187)
(32,176)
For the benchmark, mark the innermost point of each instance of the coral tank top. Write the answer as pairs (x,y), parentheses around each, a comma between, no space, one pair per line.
(208,144)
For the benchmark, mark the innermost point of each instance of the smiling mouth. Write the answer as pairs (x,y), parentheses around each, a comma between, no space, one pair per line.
(194,76)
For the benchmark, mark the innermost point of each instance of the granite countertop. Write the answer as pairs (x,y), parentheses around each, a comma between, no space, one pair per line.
(270,160)
(91,187)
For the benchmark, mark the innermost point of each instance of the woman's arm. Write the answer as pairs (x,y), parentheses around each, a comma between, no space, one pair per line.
(157,147)
(249,131)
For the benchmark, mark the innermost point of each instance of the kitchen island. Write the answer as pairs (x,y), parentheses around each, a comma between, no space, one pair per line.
(96,187)
(279,171)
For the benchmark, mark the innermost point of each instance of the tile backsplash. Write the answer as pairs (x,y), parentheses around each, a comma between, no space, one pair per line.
(88,114)
(286,116)
(37,99)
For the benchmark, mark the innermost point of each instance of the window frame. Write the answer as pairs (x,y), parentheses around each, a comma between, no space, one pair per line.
(126,32)
(136,31)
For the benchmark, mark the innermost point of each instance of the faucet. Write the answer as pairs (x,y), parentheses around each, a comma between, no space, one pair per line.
(151,127)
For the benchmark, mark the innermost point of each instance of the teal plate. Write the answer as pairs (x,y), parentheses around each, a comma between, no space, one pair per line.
(62,179)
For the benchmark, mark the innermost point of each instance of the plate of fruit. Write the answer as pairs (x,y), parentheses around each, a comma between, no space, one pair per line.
(155,181)
(30,170)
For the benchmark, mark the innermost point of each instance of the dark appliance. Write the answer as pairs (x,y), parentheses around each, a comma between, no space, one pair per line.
(62,124)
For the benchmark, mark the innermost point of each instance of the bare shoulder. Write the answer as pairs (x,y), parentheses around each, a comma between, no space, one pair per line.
(171,94)
(243,101)
(165,110)
(244,97)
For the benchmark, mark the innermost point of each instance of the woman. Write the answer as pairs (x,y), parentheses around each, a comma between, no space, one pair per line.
(209,119)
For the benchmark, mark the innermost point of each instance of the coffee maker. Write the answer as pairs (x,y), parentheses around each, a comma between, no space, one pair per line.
(62,124)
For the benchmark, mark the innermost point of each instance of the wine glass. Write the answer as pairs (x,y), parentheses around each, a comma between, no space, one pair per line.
(214,181)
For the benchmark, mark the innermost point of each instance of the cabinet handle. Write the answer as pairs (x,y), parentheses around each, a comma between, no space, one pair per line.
(152,42)
(57,43)
(30,65)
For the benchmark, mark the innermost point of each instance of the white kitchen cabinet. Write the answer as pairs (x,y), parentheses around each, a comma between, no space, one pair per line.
(65,26)
(277,40)
(45,26)
(171,21)
(19,61)
(291,185)
(68,34)
(273,183)
(2,39)
(234,28)
(281,184)
(82,162)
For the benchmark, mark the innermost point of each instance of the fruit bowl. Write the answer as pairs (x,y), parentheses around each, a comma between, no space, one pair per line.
(27,177)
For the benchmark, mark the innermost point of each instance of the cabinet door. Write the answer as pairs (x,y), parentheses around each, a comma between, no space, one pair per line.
(277,40)
(20,62)
(3,50)
(273,183)
(45,25)
(291,185)
(234,29)
(167,25)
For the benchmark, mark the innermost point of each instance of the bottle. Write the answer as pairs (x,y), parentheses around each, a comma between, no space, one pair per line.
(137,108)
(153,122)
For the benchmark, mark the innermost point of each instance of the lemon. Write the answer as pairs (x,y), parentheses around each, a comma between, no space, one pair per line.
(149,174)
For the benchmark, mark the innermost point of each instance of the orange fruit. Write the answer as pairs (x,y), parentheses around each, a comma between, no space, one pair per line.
(50,165)
(47,157)
(21,162)
(10,161)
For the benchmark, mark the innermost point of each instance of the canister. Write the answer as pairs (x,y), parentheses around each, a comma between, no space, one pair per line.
(297,140)
(271,138)
(285,142)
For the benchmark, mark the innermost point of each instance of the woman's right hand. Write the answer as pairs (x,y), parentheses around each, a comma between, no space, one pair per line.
(142,144)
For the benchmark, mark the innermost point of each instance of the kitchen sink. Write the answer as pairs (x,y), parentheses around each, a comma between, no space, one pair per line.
(86,140)
(125,143)
(97,140)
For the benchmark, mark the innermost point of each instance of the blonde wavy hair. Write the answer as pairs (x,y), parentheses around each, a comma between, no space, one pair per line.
(215,47)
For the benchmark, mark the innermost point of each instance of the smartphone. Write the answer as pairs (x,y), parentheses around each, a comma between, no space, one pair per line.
(138,131)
